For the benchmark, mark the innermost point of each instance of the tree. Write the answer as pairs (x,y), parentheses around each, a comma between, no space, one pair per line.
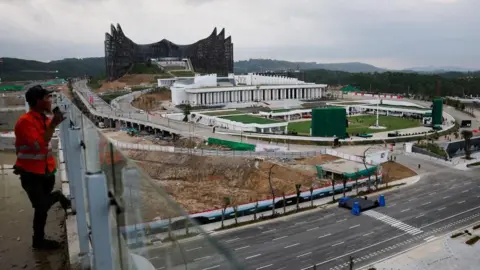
(255,211)
(311,196)
(284,203)
(344,180)
(271,188)
(226,203)
(467,135)
(297,188)
(186,112)
(235,212)
(333,189)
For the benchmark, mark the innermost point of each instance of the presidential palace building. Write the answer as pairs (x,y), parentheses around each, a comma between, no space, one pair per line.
(209,90)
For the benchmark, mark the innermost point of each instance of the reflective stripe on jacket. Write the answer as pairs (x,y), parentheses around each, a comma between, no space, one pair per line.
(34,155)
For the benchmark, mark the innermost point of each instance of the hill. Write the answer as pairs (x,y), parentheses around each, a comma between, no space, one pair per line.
(14,69)
(262,65)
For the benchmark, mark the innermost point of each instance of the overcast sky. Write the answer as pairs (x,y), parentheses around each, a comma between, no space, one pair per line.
(385,33)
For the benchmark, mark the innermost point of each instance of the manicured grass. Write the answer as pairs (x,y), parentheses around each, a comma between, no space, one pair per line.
(248,119)
(361,124)
(281,110)
(182,73)
(220,113)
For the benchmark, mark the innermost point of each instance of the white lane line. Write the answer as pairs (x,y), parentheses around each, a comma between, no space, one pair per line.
(437,184)
(431,193)
(253,256)
(160,268)
(289,246)
(439,209)
(328,234)
(329,215)
(405,210)
(301,222)
(465,191)
(446,197)
(231,240)
(367,234)
(194,248)
(426,203)
(278,238)
(337,244)
(354,226)
(305,254)
(242,247)
(412,199)
(272,230)
(202,258)
(265,266)
(341,220)
(420,215)
(431,238)
(461,202)
(212,267)
(393,204)
(311,229)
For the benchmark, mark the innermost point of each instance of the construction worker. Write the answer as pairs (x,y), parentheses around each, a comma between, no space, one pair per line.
(35,162)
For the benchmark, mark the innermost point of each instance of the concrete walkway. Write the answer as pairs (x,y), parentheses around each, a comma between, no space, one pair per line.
(16,227)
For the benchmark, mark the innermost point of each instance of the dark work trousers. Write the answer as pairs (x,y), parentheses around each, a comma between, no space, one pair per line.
(39,190)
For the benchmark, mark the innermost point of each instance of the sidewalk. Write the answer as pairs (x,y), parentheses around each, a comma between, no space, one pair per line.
(16,227)
(444,253)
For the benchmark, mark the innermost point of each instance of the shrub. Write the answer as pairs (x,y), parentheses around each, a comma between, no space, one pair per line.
(476,227)
(456,235)
(472,240)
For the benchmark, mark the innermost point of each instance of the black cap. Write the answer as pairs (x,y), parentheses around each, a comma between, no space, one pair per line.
(35,93)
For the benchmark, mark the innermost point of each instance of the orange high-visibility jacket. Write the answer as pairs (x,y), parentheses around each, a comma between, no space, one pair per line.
(34,155)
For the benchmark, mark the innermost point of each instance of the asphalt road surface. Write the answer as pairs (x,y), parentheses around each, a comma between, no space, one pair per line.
(439,203)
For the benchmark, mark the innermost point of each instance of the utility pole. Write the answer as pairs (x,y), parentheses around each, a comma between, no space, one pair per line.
(351,262)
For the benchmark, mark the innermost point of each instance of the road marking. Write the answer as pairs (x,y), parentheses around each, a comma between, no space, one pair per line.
(329,215)
(440,209)
(431,238)
(461,202)
(354,226)
(328,234)
(301,222)
(437,184)
(431,193)
(405,210)
(312,229)
(393,204)
(412,199)
(446,197)
(289,246)
(231,240)
(367,234)
(242,247)
(305,254)
(421,215)
(278,238)
(272,230)
(465,191)
(253,256)
(160,268)
(212,267)
(194,248)
(265,266)
(341,220)
(337,244)
(202,258)
(393,222)
(426,203)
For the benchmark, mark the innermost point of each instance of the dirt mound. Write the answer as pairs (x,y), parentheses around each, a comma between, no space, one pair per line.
(200,183)
(128,80)
(394,171)
(152,101)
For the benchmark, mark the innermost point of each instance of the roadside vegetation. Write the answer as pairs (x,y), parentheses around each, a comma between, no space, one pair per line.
(432,147)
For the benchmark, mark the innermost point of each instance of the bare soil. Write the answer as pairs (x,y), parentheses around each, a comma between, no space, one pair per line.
(201,183)
(128,80)
(394,171)
(152,101)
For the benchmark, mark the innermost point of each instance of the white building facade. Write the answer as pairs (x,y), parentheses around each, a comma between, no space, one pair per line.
(246,88)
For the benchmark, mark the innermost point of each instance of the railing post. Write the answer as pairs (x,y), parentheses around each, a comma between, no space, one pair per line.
(76,167)
(99,204)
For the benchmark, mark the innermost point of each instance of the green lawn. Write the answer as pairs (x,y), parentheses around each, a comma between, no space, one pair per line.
(248,119)
(220,113)
(361,124)
(182,73)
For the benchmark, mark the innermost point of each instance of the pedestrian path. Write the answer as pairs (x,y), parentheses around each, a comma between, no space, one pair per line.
(393,222)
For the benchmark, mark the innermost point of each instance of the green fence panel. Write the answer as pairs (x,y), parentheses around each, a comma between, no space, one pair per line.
(239,146)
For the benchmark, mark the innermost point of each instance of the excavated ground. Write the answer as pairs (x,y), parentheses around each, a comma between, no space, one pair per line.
(152,101)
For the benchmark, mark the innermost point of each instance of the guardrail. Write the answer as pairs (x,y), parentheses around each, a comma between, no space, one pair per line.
(109,192)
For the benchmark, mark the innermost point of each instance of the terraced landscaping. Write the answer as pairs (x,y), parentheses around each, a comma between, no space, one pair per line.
(249,119)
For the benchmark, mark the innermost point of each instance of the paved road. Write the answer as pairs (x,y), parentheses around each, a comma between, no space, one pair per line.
(440,202)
